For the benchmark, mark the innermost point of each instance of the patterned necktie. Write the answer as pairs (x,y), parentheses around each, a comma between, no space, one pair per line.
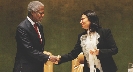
(35,27)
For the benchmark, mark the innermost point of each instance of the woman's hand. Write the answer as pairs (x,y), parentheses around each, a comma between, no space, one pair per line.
(94,52)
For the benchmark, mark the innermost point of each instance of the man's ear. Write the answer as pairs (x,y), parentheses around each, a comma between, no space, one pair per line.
(32,12)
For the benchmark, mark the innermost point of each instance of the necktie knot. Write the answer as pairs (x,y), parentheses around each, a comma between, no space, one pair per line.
(35,25)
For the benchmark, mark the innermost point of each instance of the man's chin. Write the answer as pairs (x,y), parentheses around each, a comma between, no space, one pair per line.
(83,27)
(39,21)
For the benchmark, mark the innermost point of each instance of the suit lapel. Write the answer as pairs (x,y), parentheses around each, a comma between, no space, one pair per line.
(41,32)
(101,34)
(31,28)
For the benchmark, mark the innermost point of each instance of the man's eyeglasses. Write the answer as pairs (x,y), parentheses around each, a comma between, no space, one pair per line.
(41,13)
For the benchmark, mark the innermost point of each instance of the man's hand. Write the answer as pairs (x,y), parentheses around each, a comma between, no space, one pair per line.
(53,58)
(58,59)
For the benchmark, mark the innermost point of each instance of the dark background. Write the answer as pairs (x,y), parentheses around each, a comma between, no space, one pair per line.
(61,27)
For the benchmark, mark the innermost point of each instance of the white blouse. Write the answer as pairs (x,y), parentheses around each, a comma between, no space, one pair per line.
(89,42)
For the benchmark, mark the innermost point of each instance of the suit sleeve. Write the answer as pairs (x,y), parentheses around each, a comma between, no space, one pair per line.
(109,43)
(73,54)
(23,40)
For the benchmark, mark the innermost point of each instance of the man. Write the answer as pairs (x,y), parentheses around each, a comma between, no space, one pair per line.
(30,41)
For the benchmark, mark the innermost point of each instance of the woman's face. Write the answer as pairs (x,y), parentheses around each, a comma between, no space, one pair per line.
(85,22)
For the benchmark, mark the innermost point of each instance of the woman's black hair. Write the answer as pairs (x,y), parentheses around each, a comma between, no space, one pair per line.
(93,18)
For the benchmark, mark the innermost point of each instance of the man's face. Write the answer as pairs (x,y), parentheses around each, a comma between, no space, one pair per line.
(38,15)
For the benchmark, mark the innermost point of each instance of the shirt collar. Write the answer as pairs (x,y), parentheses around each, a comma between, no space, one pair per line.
(30,20)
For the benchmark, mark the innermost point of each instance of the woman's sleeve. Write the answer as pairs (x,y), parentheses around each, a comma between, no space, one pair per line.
(111,48)
(73,54)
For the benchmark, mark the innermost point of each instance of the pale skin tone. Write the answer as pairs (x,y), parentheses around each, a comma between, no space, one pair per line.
(85,25)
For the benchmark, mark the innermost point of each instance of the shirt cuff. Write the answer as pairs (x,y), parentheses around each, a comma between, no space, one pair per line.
(49,58)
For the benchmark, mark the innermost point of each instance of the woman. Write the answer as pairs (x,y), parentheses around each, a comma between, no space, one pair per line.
(96,43)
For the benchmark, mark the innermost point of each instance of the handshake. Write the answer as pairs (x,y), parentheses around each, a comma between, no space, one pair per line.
(54,59)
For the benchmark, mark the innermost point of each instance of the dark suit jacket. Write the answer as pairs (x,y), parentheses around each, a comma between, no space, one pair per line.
(107,47)
(29,56)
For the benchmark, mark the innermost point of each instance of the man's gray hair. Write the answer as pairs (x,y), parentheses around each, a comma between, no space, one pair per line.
(34,6)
